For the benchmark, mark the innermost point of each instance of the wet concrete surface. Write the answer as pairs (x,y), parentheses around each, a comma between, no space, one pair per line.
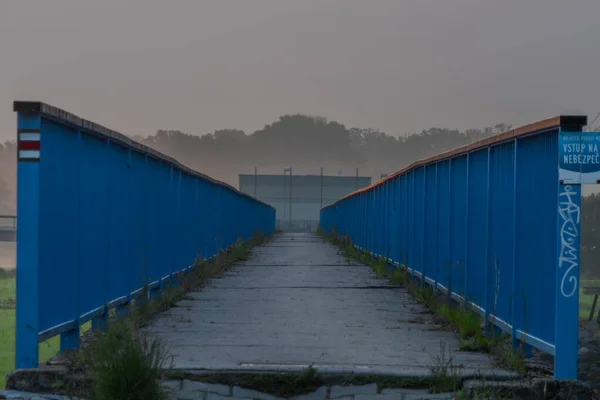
(297,301)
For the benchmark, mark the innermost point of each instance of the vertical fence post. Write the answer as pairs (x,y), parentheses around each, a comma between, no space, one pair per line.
(486,303)
(122,309)
(566,319)
(28,170)
(450,220)
(514,340)
(100,322)
(567,275)
(69,340)
(466,260)
(411,262)
(437,230)
(424,222)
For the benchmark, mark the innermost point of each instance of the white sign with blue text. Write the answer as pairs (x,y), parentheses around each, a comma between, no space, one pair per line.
(579,157)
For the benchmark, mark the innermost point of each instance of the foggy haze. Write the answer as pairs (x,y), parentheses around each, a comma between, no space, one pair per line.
(398,66)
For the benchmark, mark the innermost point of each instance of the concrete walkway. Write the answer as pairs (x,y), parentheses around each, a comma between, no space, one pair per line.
(298,301)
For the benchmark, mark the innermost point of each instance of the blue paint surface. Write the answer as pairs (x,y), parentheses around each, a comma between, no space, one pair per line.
(100,218)
(567,278)
(484,224)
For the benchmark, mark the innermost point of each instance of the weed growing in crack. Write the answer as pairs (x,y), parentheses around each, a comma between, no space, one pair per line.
(480,343)
(446,377)
(466,322)
(309,377)
(512,359)
(122,363)
(399,278)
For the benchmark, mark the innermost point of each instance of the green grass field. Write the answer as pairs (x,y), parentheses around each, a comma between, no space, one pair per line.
(7,333)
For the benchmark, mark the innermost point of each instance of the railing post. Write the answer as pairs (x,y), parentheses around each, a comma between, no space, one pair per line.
(28,170)
(100,323)
(466,261)
(567,285)
(527,349)
(486,303)
(437,232)
(122,309)
(424,222)
(411,261)
(566,319)
(69,340)
(450,220)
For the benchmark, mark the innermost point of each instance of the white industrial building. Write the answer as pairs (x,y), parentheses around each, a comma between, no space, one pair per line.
(298,199)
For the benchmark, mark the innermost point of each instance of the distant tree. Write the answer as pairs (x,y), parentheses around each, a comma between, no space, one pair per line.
(302,141)
(501,128)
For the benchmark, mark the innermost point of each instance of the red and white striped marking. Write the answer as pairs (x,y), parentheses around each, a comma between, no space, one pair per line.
(29,146)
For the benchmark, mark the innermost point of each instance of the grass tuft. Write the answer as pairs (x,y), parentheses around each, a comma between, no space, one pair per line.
(446,377)
(123,364)
(513,360)
(466,322)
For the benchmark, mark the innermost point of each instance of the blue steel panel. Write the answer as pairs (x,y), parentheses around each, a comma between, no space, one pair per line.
(501,231)
(492,217)
(477,261)
(404,221)
(389,215)
(419,211)
(164,196)
(186,223)
(410,218)
(442,271)
(458,225)
(535,243)
(204,192)
(137,232)
(380,209)
(99,220)
(60,166)
(154,182)
(91,232)
(118,220)
(431,241)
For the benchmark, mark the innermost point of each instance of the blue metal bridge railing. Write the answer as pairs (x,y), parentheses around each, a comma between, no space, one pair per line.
(101,217)
(492,225)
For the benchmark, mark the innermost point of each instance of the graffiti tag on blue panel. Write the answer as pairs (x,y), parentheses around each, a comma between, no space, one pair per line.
(579,154)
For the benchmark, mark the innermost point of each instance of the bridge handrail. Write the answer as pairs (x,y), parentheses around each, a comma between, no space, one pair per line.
(525,130)
(105,221)
(494,225)
(67,117)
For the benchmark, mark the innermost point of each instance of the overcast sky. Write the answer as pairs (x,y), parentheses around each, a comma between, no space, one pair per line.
(397,65)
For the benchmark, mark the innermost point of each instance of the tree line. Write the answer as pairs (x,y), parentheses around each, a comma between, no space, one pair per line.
(306,143)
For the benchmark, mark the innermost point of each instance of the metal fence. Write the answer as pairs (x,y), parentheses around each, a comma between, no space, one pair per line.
(491,225)
(101,218)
